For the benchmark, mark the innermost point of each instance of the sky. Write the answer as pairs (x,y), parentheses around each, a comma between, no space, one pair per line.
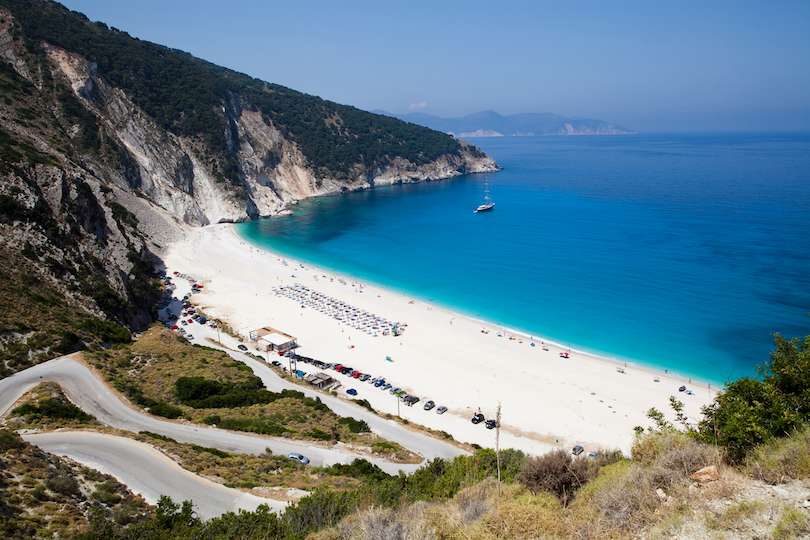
(651,66)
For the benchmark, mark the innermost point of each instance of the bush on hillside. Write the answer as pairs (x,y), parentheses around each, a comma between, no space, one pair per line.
(751,411)
(781,459)
(556,473)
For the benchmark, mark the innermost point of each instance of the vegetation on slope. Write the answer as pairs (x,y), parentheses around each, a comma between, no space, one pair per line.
(56,295)
(557,496)
(752,411)
(42,495)
(38,321)
(165,374)
(652,495)
(184,94)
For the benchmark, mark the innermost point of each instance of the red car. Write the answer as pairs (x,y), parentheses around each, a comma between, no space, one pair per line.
(175,327)
(357,375)
(338,367)
(191,320)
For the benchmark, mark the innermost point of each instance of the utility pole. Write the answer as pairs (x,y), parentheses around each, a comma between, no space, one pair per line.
(497,447)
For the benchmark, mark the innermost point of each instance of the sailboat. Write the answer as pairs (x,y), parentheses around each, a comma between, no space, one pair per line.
(488,204)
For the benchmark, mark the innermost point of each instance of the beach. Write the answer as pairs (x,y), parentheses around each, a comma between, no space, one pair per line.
(466,365)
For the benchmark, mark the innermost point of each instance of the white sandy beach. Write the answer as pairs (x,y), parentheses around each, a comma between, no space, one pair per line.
(546,401)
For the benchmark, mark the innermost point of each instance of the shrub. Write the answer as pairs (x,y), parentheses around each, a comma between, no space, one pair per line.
(556,473)
(360,469)
(64,484)
(161,408)
(319,435)
(781,459)
(157,436)
(382,524)
(215,451)
(105,497)
(52,408)
(750,411)
(39,493)
(627,502)
(355,426)
(793,524)
(364,403)
(9,440)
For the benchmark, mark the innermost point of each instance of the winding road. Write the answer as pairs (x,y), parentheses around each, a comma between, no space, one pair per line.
(149,473)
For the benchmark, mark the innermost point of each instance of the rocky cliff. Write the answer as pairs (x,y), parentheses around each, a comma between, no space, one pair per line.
(93,187)
(172,171)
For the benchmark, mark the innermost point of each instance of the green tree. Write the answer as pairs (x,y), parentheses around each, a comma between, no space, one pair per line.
(753,410)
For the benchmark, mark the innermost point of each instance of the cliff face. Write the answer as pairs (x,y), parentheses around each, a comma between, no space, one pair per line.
(93,188)
(172,171)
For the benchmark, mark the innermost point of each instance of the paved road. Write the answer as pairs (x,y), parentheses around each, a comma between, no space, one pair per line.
(86,391)
(148,472)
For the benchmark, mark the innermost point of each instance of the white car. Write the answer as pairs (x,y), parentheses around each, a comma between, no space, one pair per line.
(299,457)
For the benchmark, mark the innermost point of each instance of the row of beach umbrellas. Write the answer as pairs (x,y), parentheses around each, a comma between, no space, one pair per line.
(344,312)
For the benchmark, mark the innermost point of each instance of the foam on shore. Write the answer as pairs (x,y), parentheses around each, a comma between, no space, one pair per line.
(546,400)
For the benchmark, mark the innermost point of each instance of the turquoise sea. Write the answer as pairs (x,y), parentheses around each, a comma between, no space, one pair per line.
(676,251)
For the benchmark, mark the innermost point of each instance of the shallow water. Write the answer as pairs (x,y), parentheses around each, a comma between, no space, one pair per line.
(683,252)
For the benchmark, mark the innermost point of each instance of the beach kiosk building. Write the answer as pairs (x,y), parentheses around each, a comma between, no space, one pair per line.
(269,339)
(320,380)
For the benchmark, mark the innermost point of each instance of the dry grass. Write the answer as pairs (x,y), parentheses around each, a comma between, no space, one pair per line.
(158,358)
(45,495)
(45,391)
(238,470)
(782,459)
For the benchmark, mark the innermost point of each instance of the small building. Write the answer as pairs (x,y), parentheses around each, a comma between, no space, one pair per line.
(320,380)
(269,339)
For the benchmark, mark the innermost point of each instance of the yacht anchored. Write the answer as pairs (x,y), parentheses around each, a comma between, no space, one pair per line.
(488,204)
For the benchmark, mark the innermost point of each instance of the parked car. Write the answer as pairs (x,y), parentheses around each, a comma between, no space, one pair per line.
(351,392)
(338,367)
(189,337)
(394,390)
(202,320)
(357,375)
(364,377)
(241,347)
(429,405)
(175,327)
(299,457)
(399,392)
(478,418)
(275,362)
(577,450)
(374,380)
(184,323)
(379,383)
(491,424)
(385,386)
(441,410)
(593,455)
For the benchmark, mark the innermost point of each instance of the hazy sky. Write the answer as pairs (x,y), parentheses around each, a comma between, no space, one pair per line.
(644,64)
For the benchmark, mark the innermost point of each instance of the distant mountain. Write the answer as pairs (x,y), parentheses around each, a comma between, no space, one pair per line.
(492,124)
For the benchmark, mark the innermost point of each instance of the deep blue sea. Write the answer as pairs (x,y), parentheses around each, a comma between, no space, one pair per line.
(677,251)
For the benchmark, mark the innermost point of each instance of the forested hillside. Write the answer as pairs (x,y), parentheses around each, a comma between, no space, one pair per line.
(109,145)
(183,93)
